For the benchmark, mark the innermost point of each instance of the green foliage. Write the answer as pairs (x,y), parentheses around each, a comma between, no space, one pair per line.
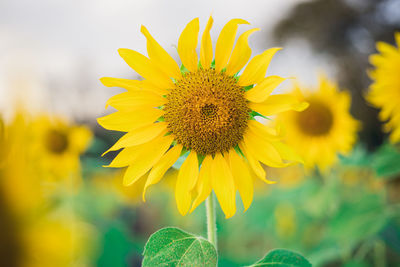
(386,161)
(355,264)
(174,247)
(117,247)
(282,258)
(358,219)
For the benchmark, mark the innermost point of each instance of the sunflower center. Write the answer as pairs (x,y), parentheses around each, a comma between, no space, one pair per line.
(56,141)
(207,112)
(316,120)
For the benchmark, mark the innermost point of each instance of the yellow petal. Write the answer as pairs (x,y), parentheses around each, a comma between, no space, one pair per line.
(160,57)
(203,186)
(263,130)
(145,68)
(397,38)
(287,152)
(148,155)
(149,86)
(161,167)
(140,135)
(255,71)
(278,103)
(123,83)
(187,44)
(124,158)
(185,182)
(223,185)
(240,54)
(133,85)
(385,48)
(254,164)
(263,150)
(243,179)
(132,100)
(127,121)
(226,39)
(206,51)
(263,90)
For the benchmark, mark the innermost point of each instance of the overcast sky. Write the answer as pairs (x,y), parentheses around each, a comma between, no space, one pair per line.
(53,52)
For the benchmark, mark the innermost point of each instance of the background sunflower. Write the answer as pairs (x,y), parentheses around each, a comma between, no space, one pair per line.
(325,129)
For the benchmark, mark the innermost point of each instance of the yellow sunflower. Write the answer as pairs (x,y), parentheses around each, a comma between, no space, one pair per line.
(57,147)
(325,128)
(203,111)
(385,91)
(34,231)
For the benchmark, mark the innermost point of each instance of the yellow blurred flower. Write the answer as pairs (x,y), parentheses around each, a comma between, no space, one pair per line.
(385,91)
(288,177)
(57,146)
(37,233)
(20,181)
(61,242)
(205,111)
(325,128)
(353,176)
(285,220)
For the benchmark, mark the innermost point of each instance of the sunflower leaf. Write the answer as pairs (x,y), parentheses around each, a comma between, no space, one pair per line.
(385,162)
(282,258)
(173,247)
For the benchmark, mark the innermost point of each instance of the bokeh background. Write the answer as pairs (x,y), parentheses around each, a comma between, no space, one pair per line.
(52,56)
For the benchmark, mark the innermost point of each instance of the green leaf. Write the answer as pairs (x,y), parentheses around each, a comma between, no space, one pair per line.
(174,247)
(386,161)
(358,219)
(282,258)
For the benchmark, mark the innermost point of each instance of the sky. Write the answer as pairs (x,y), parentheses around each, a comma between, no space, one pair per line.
(54,52)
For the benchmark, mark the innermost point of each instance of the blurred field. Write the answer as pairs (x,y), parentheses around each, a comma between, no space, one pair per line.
(60,207)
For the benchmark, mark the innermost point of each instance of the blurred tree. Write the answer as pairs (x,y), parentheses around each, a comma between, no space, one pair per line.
(346,32)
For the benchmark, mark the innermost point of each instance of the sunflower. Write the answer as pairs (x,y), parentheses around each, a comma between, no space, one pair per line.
(203,111)
(57,147)
(35,231)
(325,128)
(385,91)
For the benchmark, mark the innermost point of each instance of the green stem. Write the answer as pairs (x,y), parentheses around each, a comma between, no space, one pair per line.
(379,254)
(211,220)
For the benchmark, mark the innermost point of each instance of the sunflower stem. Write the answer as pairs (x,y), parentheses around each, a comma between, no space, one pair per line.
(211,220)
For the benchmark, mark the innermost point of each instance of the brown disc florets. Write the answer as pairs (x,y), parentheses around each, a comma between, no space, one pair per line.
(207,112)
(56,141)
(316,120)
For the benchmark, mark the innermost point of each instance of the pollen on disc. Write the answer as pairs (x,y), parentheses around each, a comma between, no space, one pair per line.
(207,112)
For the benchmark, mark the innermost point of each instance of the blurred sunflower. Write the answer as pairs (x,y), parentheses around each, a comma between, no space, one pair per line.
(204,111)
(34,232)
(385,91)
(57,147)
(325,128)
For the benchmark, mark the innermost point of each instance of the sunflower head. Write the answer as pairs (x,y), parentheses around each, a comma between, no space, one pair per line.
(56,141)
(384,92)
(57,146)
(325,128)
(30,235)
(205,114)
